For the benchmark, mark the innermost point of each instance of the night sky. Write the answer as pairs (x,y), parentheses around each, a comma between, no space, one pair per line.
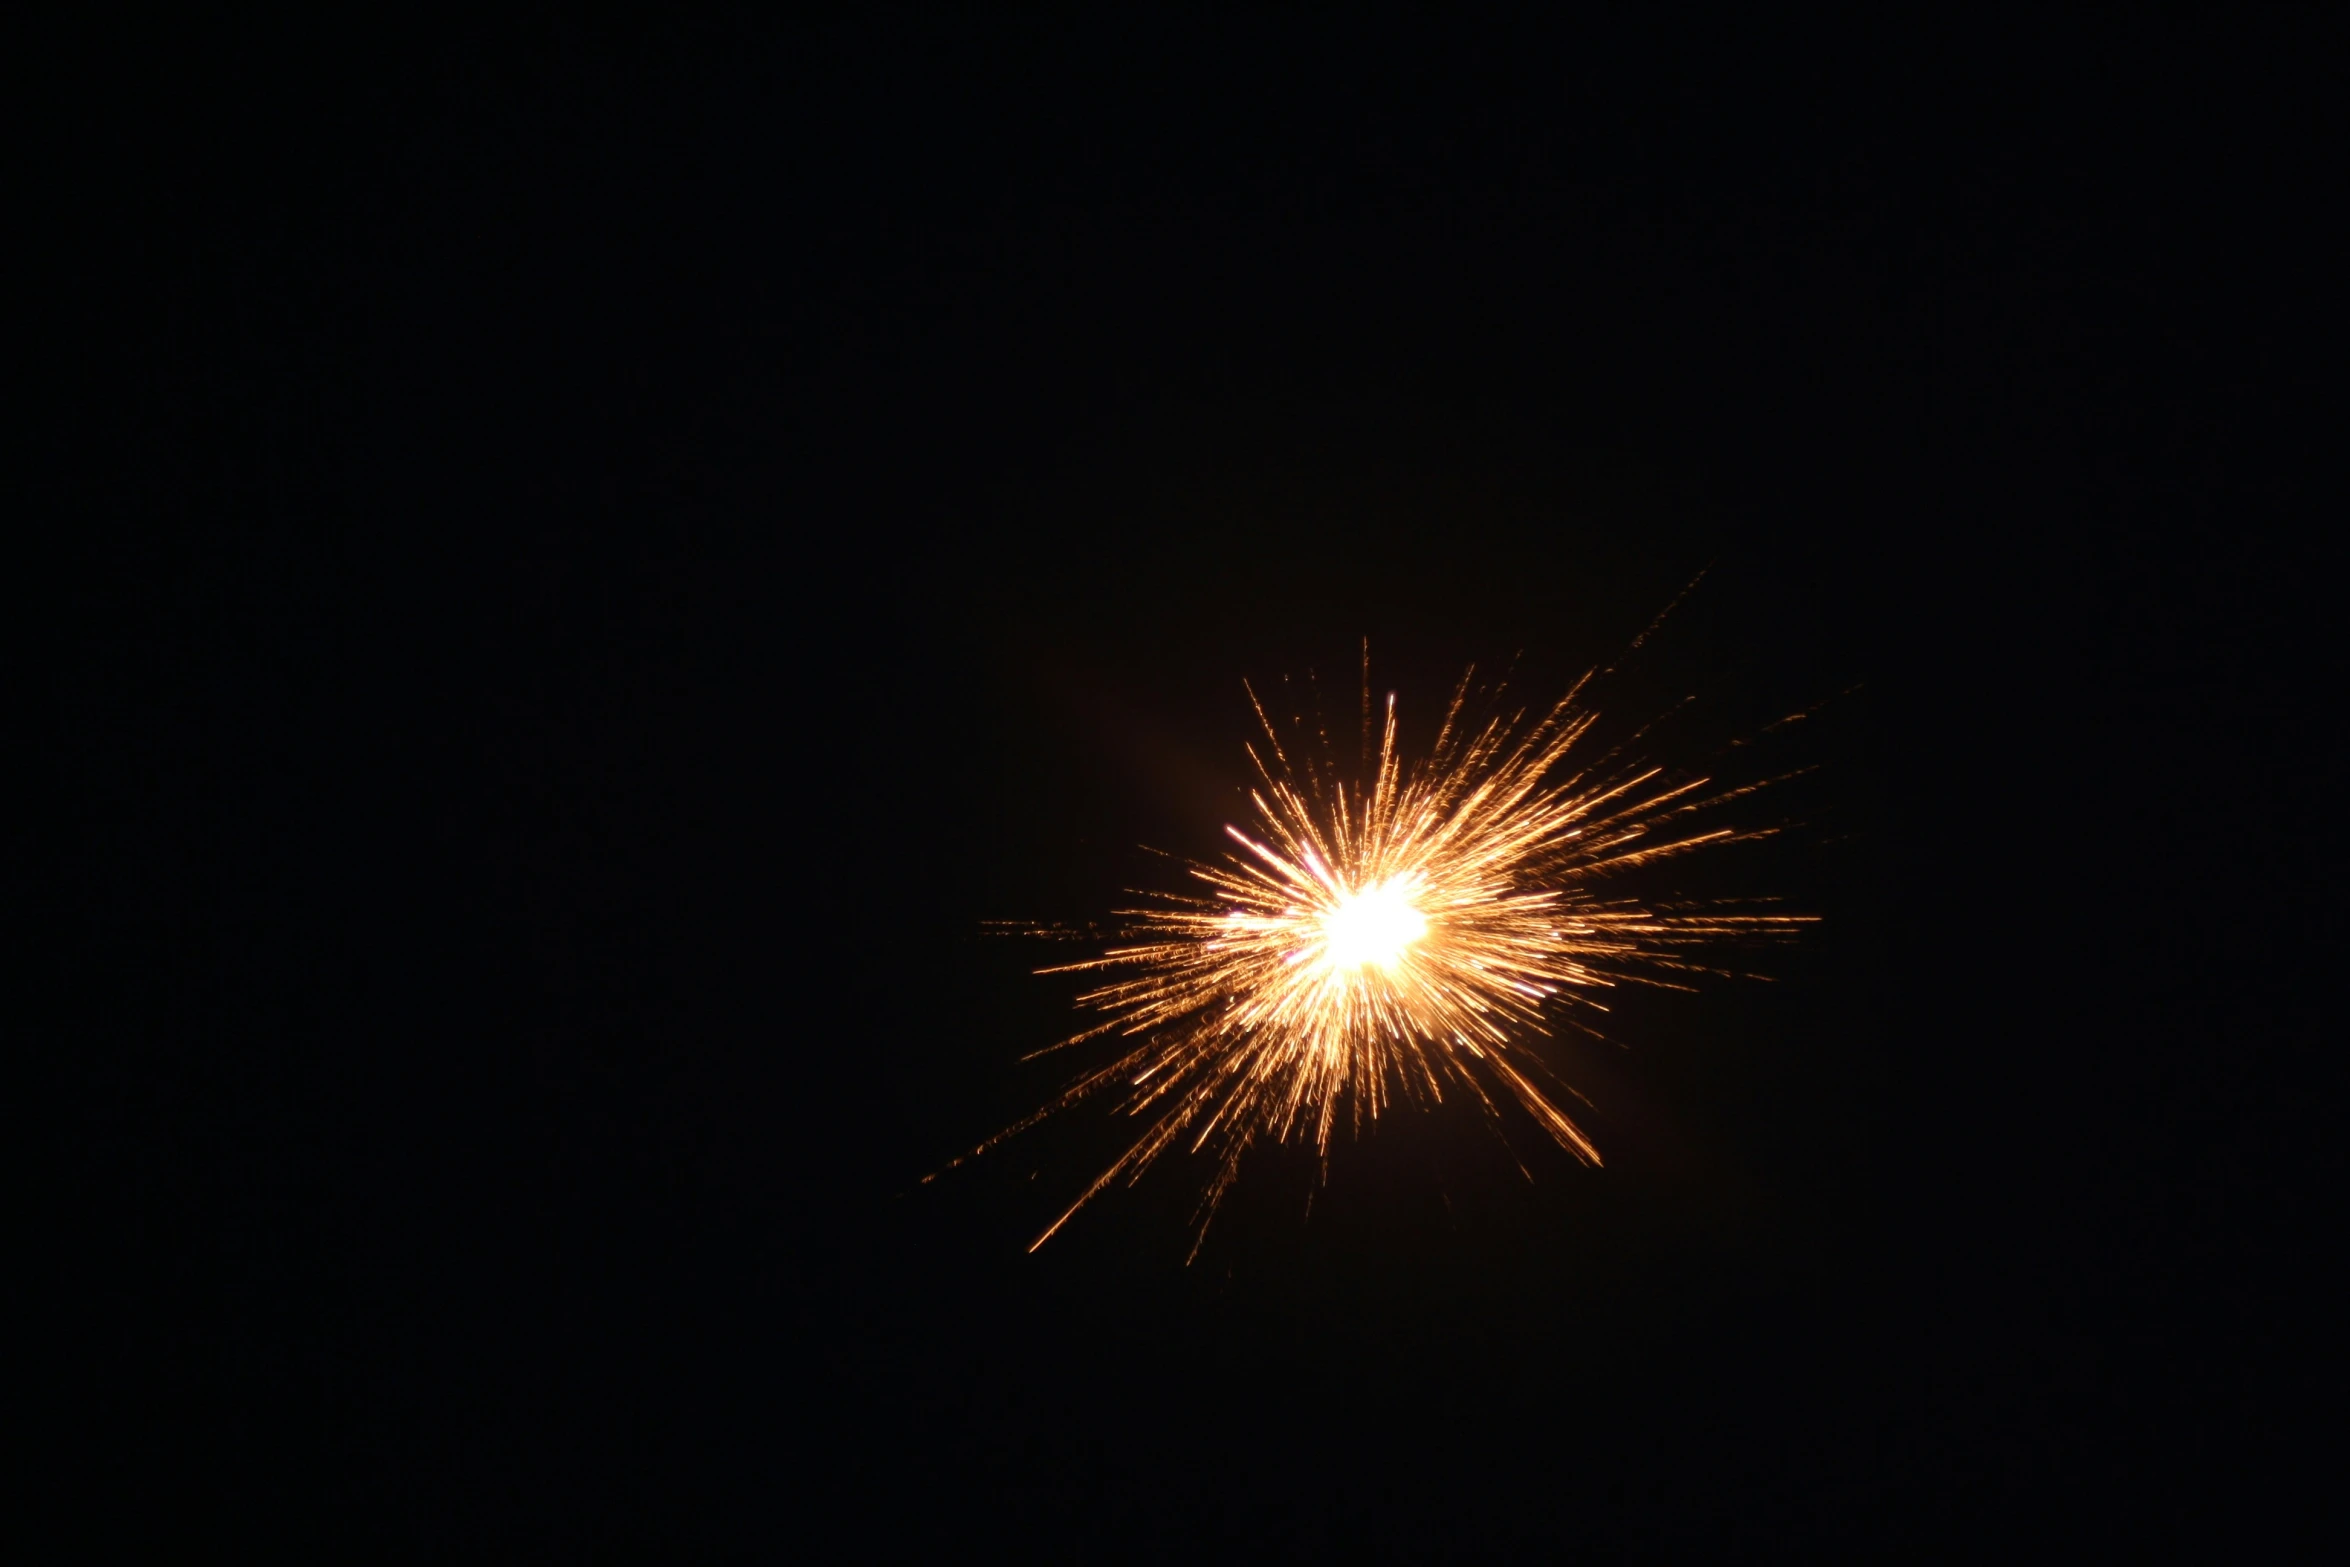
(578,568)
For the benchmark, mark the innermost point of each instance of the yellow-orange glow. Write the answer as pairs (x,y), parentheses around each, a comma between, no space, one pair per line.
(1405,935)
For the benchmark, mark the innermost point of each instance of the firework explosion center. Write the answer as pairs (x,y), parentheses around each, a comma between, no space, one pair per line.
(1373,926)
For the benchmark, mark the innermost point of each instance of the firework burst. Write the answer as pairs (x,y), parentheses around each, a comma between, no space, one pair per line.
(1399,937)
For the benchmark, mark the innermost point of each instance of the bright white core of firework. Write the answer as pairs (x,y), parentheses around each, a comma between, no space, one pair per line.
(1376,924)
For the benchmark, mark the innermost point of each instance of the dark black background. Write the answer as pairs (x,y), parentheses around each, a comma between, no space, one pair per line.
(578,566)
